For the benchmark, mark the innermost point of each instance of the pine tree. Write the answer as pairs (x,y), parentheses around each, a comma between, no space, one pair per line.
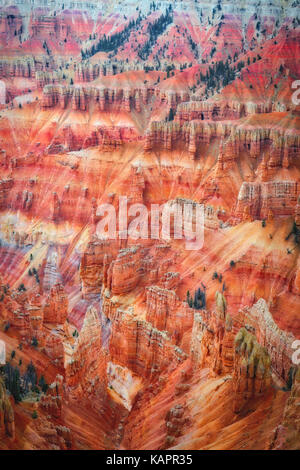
(42,384)
(12,381)
(30,377)
(171,115)
(16,386)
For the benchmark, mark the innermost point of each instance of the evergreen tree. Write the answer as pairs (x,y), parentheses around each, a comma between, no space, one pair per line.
(30,377)
(114,41)
(16,390)
(199,299)
(154,30)
(42,384)
(13,381)
(171,115)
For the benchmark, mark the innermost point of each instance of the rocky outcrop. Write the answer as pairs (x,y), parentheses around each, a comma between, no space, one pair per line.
(54,347)
(252,369)
(212,341)
(79,137)
(49,434)
(220,109)
(165,312)
(7,420)
(5,187)
(52,402)
(258,199)
(35,331)
(11,22)
(162,134)
(56,307)
(278,343)
(27,200)
(172,97)
(137,185)
(49,26)
(94,264)
(86,377)
(29,312)
(297,213)
(50,270)
(17,67)
(254,139)
(137,345)
(56,208)
(124,383)
(97,383)
(175,421)
(286,435)
(124,273)
(212,331)
(84,97)
(87,72)
(215,111)
(44,78)
(168,135)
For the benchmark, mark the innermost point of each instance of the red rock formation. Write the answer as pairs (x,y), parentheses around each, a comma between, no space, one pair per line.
(7,422)
(84,97)
(124,273)
(5,187)
(87,72)
(56,208)
(45,78)
(56,307)
(140,347)
(166,312)
(54,348)
(11,22)
(252,374)
(163,135)
(46,26)
(137,185)
(252,138)
(259,198)
(211,110)
(52,402)
(297,212)
(277,342)
(21,67)
(213,335)
(97,254)
(286,435)
(86,370)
